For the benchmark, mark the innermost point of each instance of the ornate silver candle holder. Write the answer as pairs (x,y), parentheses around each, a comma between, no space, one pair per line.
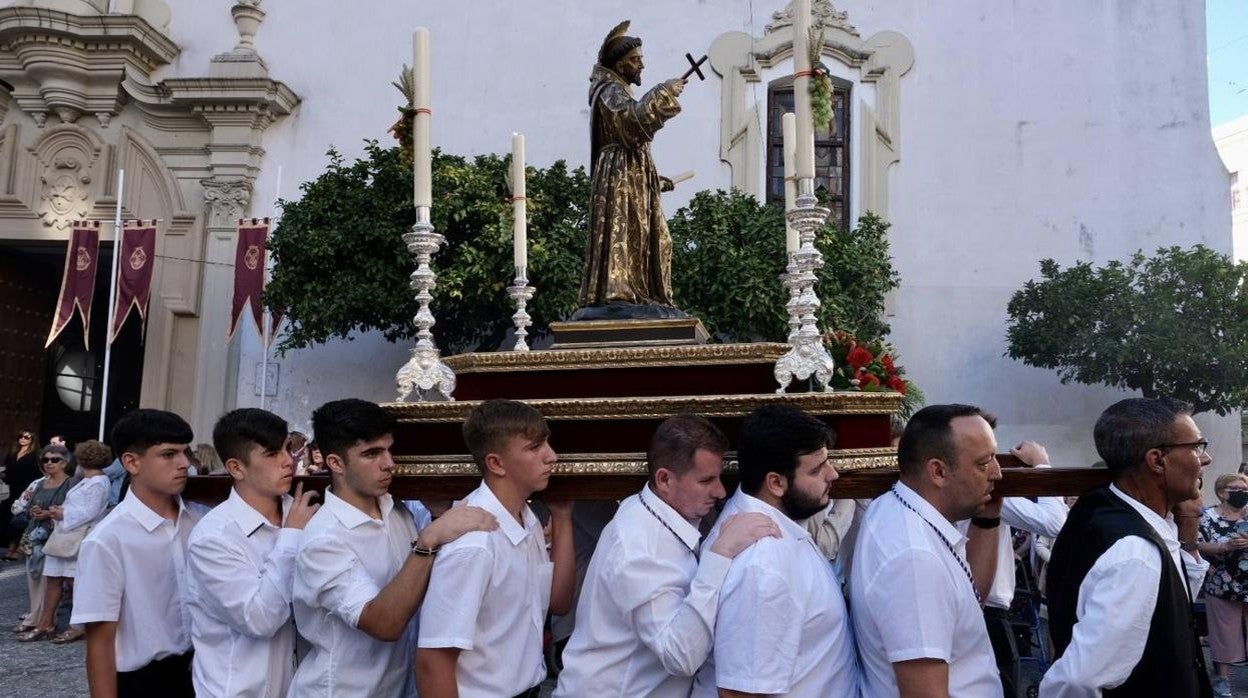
(807,356)
(424,371)
(521,292)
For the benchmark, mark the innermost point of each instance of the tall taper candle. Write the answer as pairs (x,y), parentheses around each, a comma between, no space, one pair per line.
(788,124)
(423,158)
(520,243)
(801,90)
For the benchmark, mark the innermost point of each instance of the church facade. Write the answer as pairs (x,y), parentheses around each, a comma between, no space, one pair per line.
(989,136)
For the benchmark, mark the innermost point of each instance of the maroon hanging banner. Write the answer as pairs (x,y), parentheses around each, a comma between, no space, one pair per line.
(249,267)
(78,283)
(134,274)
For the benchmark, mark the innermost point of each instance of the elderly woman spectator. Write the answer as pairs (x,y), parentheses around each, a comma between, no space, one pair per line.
(85,504)
(21,467)
(37,501)
(1224,536)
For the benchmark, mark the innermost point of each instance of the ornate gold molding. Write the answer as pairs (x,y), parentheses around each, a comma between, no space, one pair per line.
(626,464)
(831,403)
(633,357)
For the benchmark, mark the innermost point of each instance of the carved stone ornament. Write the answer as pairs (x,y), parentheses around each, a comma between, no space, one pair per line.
(65,196)
(823,14)
(226,200)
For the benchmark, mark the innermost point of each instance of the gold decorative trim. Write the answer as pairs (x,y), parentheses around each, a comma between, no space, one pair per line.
(616,464)
(616,357)
(830,403)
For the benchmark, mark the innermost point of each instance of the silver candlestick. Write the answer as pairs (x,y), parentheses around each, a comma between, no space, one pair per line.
(807,355)
(521,292)
(425,370)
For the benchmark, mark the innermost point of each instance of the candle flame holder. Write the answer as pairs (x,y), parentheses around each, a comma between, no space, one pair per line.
(807,356)
(521,293)
(424,371)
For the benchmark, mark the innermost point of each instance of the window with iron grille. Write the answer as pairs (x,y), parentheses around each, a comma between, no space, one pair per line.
(831,148)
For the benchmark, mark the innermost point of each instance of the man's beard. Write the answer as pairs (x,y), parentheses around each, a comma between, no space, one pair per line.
(798,505)
(632,77)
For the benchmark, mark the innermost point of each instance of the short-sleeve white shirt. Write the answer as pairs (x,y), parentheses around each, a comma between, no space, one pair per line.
(647,611)
(783,628)
(345,559)
(132,566)
(488,596)
(240,576)
(912,599)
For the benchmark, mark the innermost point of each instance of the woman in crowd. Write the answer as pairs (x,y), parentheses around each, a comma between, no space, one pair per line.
(209,461)
(1224,536)
(85,504)
(38,500)
(21,467)
(297,446)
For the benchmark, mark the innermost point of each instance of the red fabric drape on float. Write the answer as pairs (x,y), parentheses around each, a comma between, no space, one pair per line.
(249,265)
(134,275)
(78,283)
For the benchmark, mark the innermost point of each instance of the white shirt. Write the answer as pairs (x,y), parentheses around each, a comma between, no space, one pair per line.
(488,596)
(647,611)
(1115,609)
(912,599)
(132,570)
(783,628)
(345,558)
(240,572)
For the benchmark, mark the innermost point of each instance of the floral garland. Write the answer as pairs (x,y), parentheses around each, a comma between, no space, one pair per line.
(871,367)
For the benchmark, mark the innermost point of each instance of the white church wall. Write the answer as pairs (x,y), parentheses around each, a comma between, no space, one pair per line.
(1071,130)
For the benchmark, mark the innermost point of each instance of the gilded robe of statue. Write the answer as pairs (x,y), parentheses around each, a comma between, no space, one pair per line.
(628,257)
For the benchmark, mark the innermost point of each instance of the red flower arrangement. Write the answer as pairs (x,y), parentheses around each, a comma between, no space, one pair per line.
(870,367)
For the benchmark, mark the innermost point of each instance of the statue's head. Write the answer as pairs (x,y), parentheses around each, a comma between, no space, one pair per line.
(622,54)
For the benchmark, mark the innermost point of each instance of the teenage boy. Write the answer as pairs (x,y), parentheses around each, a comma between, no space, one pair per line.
(241,562)
(131,567)
(361,571)
(482,622)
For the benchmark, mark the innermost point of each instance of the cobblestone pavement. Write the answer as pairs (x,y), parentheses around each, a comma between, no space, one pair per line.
(45,670)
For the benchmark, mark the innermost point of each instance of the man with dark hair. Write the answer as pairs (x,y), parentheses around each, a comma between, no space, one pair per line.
(783,628)
(362,569)
(483,619)
(131,590)
(647,612)
(1120,607)
(917,581)
(241,563)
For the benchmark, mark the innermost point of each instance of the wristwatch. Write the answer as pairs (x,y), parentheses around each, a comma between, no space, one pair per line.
(1188,545)
(424,552)
(985,522)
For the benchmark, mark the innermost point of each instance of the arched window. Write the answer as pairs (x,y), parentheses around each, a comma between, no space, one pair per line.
(831,148)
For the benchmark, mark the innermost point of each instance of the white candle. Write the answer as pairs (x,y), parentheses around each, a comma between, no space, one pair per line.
(805,166)
(788,124)
(422,156)
(520,243)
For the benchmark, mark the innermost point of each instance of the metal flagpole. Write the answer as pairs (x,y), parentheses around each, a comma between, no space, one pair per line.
(112,301)
(264,340)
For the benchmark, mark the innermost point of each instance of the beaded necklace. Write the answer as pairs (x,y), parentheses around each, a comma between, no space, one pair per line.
(944,540)
(683,544)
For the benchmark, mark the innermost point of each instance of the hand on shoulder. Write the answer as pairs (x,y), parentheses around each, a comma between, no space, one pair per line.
(455,523)
(740,531)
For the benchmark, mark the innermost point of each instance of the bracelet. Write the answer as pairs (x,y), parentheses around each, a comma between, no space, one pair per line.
(985,522)
(424,552)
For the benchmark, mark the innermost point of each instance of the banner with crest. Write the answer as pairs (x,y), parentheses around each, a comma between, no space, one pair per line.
(78,283)
(134,273)
(250,260)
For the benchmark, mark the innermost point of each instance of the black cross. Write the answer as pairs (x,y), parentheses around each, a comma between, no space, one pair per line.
(694,67)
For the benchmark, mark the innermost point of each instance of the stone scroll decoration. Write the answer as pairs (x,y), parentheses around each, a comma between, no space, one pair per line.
(66,160)
(880,60)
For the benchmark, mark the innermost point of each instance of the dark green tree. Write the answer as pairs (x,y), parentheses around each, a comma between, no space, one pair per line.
(1174,324)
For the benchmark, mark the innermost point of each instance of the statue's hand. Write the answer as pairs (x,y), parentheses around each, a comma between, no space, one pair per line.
(676,85)
(666,184)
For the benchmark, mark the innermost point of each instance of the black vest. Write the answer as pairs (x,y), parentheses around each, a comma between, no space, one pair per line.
(1172,665)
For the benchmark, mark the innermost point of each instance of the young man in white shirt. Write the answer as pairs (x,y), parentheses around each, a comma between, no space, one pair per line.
(783,628)
(1120,606)
(483,619)
(646,616)
(132,567)
(241,563)
(361,570)
(916,581)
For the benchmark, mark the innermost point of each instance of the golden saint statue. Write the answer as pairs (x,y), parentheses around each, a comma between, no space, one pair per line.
(628,258)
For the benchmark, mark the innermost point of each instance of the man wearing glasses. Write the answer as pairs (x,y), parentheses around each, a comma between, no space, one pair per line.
(1120,606)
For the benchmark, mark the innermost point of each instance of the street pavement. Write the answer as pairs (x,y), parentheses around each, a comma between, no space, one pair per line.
(45,670)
